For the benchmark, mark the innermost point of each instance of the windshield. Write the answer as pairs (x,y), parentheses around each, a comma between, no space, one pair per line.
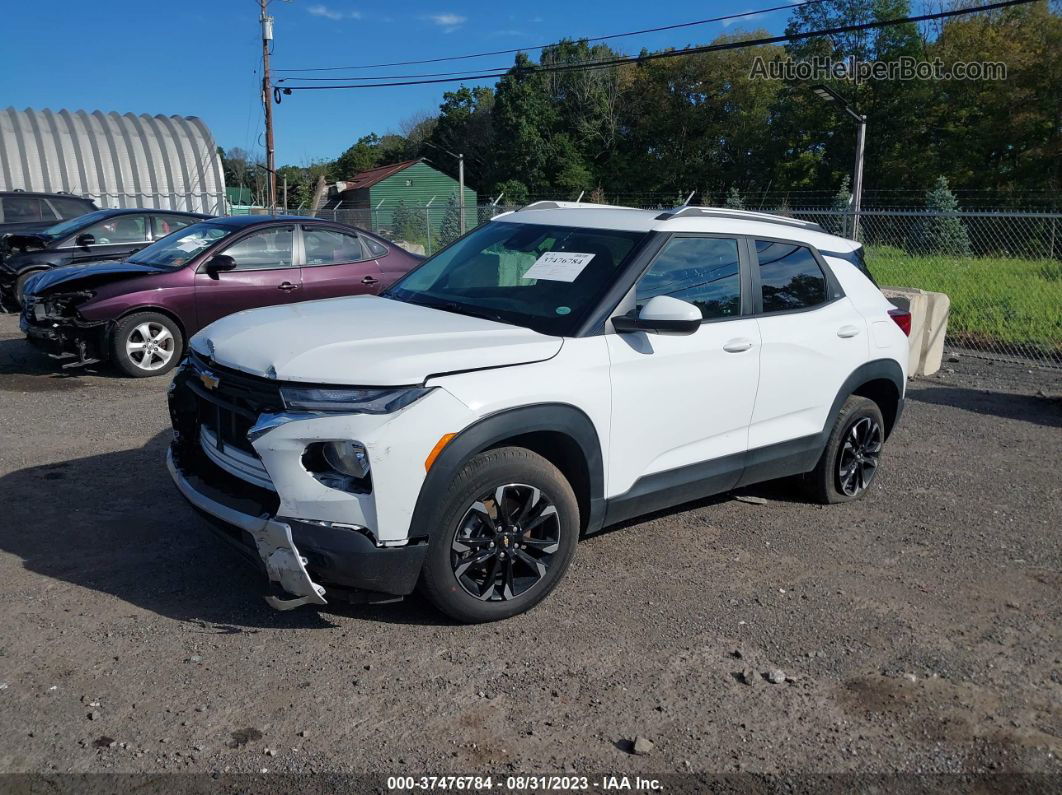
(547,278)
(178,248)
(73,224)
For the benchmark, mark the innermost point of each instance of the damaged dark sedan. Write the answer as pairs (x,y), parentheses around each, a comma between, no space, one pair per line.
(104,235)
(138,313)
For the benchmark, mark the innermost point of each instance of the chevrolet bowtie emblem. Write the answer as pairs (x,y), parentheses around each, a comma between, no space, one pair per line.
(210,381)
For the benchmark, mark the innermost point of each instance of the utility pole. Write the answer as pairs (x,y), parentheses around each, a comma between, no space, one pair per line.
(267,104)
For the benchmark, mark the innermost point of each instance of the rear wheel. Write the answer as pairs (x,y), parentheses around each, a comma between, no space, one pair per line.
(505,536)
(146,344)
(852,456)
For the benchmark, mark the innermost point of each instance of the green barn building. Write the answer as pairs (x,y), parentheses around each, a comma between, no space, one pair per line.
(370,198)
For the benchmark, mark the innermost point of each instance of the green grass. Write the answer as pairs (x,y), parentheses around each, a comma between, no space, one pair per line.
(993,299)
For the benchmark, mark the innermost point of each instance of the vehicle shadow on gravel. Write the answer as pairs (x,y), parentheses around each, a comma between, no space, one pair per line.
(1006,405)
(19,358)
(114,523)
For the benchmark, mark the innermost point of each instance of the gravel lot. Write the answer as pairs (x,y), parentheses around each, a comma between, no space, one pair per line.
(918,630)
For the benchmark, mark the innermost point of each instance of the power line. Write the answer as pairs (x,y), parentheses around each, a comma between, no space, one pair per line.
(676,26)
(733,45)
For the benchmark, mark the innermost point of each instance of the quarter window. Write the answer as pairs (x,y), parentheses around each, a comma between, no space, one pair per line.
(329,247)
(702,270)
(790,277)
(269,249)
(70,208)
(163,225)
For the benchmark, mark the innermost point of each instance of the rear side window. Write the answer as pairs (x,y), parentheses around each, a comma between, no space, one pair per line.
(70,208)
(702,270)
(329,247)
(790,277)
(162,225)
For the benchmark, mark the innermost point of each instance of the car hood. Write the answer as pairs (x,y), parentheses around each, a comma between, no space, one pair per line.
(83,277)
(367,341)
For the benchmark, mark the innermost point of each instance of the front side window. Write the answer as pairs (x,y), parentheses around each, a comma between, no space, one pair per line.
(329,247)
(547,278)
(21,209)
(790,277)
(177,249)
(269,249)
(118,229)
(702,270)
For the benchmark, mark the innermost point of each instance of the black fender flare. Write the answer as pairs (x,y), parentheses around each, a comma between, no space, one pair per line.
(876,370)
(488,431)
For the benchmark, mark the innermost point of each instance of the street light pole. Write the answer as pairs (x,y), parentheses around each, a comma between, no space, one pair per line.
(827,94)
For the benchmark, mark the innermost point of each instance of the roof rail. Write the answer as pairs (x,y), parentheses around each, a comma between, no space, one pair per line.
(748,215)
(555,205)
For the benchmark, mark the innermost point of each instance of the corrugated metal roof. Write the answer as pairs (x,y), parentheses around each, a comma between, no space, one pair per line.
(169,162)
(366,179)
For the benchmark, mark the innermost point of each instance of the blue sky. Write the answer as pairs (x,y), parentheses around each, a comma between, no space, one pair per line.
(201,57)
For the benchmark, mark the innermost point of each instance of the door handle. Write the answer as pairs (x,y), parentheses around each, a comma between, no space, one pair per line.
(738,345)
(369,280)
(847,331)
(287,286)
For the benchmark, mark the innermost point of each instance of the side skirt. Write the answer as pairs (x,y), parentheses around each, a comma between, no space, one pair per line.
(695,482)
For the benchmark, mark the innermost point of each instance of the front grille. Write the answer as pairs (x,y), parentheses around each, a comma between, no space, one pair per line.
(232,403)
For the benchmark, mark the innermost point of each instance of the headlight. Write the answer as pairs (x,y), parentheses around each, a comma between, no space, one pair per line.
(347,458)
(351,400)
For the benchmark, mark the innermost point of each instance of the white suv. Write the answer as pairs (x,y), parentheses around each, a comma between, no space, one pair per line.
(557,370)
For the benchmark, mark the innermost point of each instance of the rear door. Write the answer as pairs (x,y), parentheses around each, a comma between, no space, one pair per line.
(266,274)
(813,338)
(336,262)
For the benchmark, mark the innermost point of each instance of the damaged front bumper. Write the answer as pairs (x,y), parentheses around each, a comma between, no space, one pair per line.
(77,342)
(276,548)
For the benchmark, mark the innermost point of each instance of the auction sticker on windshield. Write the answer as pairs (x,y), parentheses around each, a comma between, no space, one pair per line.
(558,266)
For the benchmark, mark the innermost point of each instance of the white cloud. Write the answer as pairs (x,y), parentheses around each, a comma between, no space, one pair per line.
(321,10)
(449,22)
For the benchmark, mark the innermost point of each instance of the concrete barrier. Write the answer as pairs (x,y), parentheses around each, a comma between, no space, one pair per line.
(929,323)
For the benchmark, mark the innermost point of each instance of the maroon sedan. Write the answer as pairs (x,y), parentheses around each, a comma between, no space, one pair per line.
(139,312)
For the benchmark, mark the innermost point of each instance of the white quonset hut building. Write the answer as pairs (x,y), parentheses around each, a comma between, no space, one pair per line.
(119,160)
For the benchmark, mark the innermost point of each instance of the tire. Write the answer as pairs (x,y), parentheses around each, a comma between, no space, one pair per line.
(478,567)
(20,284)
(133,333)
(854,447)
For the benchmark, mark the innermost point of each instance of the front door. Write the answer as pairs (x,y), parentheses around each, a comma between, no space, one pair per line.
(336,263)
(266,274)
(681,405)
(112,239)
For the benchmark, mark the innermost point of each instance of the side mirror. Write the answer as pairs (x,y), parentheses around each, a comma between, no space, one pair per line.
(219,263)
(85,239)
(662,314)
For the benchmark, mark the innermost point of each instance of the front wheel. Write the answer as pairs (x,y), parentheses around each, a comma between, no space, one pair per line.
(504,536)
(852,456)
(146,344)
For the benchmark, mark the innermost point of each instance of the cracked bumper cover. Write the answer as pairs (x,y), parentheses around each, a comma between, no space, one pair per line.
(294,553)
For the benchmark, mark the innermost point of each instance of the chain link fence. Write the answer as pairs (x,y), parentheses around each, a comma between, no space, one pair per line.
(1001,270)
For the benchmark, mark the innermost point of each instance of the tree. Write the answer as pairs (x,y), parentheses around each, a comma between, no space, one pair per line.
(451,222)
(368,152)
(841,206)
(405,225)
(943,233)
(513,192)
(733,199)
